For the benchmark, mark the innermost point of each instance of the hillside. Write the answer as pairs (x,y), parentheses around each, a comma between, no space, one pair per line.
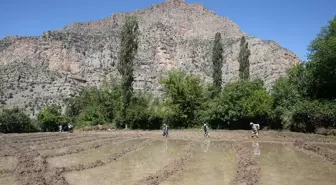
(35,71)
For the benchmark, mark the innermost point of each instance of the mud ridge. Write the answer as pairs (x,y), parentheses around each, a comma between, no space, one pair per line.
(5,171)
(56,174)
(33,136)
(324,152)
(248,171)
(36,140)
(90,147)
(170,169)
(72,142)
(30,168)
(55,141)
(5,151)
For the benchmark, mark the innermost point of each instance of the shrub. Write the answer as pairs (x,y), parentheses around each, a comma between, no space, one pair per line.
(49,118)
(142,113)
(307,116)
(233,107)
(15,121)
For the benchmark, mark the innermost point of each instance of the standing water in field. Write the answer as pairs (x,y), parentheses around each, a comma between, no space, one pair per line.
(166,144)
(281,164)
(256,148)
(130,168)
(206,145)
(211,164)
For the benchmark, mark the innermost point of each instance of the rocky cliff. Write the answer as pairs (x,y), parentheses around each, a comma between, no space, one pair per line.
(35,71)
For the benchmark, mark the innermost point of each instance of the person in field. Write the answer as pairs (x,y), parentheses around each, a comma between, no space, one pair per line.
(60,128)
(70,127)
(255,130)
(206,130)
(165,130)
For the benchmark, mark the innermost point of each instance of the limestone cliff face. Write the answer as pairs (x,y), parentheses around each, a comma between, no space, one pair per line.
(35,71)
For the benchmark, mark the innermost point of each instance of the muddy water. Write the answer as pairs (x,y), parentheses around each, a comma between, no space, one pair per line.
(7,163)
(91,155)
(130,168)
(213,163)
(282,164)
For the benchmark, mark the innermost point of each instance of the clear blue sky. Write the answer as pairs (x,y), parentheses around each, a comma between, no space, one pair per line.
(292,23)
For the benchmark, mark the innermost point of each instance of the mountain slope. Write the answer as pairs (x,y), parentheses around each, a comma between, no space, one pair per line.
(35,71)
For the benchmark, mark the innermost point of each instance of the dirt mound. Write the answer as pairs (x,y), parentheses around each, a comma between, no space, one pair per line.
(98,128)
(326,153)
(248,171)
(96,145)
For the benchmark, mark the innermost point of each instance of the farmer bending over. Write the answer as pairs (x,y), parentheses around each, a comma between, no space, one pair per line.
(255,129)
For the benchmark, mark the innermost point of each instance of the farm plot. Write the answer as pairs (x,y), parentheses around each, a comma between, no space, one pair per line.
(185,157)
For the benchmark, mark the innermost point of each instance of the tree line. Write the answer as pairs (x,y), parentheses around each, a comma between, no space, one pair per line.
(303,101)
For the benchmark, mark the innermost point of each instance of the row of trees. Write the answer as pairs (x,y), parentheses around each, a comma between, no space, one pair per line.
(303,101)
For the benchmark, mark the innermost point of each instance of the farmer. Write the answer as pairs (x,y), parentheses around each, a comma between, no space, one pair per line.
(60,128)
(255,130)
(165,130)
(206,130)
(70,127)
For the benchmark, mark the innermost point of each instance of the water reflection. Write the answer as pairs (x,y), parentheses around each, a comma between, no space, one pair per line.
(166,144)
(206,145)
(256,148)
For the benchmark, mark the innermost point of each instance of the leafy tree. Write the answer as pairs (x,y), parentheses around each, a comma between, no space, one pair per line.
(243,59)
(15,121)
(285,93)
(128,50)
(217,62)
(184,96)
(227,110)
(93,103)
(321,70)
(143,113)
(259,106)
(50,118)
(91,115)
(309,115)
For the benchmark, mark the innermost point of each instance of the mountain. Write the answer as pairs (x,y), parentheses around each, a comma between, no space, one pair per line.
(36,71)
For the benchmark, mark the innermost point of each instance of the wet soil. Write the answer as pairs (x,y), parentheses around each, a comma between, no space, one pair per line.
(131,168)
(213,163)
(102,158)
(7,163)
(90,156)
(282,164)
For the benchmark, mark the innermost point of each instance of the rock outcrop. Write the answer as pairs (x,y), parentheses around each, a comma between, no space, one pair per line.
(35,71)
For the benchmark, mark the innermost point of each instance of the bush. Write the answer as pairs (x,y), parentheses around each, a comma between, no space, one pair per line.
(142,114)
(15,121)
(307,116)
(94,106)
(236,105)
(50,118)
(91,116)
